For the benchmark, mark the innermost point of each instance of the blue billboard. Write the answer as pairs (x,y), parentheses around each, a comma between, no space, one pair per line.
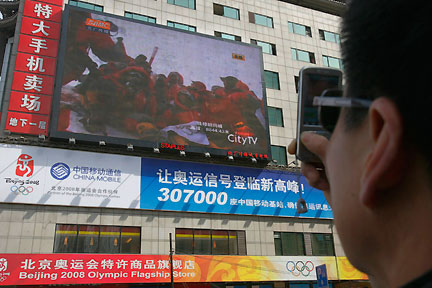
(209,188)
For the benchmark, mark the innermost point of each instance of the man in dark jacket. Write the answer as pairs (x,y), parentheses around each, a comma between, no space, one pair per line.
(377,164)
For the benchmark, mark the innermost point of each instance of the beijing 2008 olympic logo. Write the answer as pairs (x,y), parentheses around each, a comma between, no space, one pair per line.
(3,268)
(23,190)
(300,268)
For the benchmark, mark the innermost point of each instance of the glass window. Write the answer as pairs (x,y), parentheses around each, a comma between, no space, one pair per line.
(97,239)
(231,13)
(275,116)
(216,242)
(278,243)
(65,238)
(263,20)
(130,240)
(329,36)
(322,244)
(271,80)
(184,242)
(86,5)
(267,48)
(184,3)
(227,36)
(220,243)
(301,55)
(140,17)
(233,243)
(241,241)
(88,239)
(289,244)
(332,62)
(299,29)
(226,11)
(260,19)
(279,154)
(293,244)
(181,26)
(109,241)
(202,242)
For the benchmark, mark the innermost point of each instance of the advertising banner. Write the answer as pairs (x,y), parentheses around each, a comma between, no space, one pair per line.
(347,272)
(33,79)
(38,175)
(209,188)
(50,176)
(26,123)
(43,269)
(125,81)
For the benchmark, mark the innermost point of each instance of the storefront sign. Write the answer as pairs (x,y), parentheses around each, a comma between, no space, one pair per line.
(33,80)
(29,102)
(26,123)
(43,269)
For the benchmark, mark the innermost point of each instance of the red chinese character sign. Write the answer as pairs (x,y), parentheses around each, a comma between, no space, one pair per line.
(25,123)
(36,64)
(30,102)
(33,82)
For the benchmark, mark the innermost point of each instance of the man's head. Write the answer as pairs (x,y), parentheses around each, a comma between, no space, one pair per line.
(375,156)
(386,53)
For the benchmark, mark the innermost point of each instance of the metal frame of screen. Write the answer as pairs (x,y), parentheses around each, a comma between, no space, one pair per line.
(54,133)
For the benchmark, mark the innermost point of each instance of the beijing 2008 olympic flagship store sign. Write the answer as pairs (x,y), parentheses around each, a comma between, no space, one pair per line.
(43,269)
(48,176)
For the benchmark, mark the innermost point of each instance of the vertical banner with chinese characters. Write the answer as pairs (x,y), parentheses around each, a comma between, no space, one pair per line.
(33,80)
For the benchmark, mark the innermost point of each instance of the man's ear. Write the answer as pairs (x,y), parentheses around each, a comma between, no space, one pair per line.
(383,168)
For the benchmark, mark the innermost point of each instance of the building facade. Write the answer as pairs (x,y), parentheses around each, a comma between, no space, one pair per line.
(122,237)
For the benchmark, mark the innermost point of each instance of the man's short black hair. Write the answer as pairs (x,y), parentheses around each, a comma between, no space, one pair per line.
(386,52)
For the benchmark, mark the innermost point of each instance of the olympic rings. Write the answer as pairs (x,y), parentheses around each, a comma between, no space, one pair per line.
(300,267)
(21,190)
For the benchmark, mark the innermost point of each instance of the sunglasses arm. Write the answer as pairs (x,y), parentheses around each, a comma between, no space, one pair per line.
(341,102)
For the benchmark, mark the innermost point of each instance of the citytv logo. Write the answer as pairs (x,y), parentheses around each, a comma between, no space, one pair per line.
(60,171)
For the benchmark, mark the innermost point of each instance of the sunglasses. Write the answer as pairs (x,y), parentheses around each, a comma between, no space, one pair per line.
(329,107)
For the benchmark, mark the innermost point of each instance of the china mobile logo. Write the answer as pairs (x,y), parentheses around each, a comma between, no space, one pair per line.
(25,166)
(60,171)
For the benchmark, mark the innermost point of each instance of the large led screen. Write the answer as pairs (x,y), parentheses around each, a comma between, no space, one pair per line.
(124,81)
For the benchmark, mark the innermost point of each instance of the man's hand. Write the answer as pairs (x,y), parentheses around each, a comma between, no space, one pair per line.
(317,144)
